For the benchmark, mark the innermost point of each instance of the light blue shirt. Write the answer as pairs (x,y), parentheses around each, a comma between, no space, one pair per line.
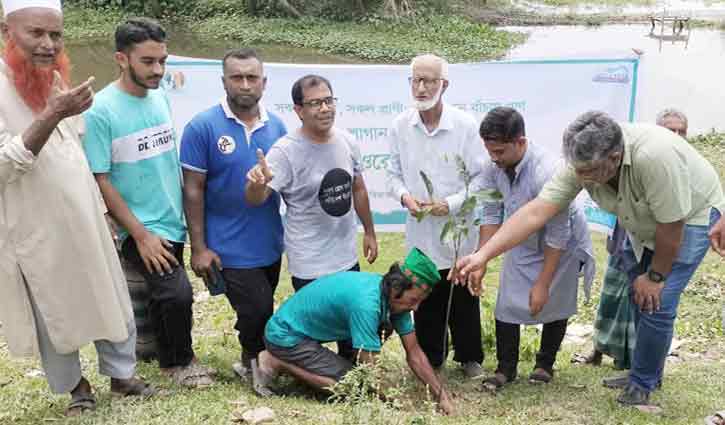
(337,307)
(133,140)
(414,149)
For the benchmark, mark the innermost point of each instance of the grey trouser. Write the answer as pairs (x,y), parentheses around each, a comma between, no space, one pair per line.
(311,356)
(63,371)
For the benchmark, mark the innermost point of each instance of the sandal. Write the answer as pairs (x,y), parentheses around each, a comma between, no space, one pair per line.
(80,403)
(192,376)
(717,419)
(132,387)
(594,358)
(495,382)
(540,376)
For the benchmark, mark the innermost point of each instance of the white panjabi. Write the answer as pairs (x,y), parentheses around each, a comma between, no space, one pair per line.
(10,6)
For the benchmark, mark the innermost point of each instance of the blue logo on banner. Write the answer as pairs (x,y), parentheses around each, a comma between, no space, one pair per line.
(617,74)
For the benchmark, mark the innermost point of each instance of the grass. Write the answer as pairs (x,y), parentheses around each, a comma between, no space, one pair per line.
(693,388)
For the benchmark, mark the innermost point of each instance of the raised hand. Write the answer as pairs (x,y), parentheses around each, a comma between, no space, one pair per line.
(260,174)
(63,102)
(469,271)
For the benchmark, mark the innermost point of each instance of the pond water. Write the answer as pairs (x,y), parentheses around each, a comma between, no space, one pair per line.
(687,76)
(701,9)
(95,57)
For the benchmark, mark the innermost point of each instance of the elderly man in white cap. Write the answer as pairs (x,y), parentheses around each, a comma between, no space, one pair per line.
(61,284)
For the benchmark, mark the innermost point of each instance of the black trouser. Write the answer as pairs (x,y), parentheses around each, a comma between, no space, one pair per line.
(464,322)
(251,294)
(508,336)
(169,305)
(344,348)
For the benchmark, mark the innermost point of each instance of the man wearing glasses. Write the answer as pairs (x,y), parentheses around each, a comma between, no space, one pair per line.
(428,138)
(667,197)
(318,171)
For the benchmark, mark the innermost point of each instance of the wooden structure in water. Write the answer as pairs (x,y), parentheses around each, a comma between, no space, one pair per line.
(680,28)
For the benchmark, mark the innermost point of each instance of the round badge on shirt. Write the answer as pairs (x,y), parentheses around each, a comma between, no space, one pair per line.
(226,145)
(335,193)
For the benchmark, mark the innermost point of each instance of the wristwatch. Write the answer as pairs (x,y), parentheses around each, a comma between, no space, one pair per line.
(654,276)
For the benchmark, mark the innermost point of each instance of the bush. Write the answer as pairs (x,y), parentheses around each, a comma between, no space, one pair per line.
(157,8)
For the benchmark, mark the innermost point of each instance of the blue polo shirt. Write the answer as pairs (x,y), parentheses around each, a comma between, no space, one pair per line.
(219,145)
(337,307)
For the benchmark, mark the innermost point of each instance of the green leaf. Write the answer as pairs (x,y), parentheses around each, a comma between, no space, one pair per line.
(461,164)
(446,229)
(487,195)
(428,185)
(422,213)
(468,205)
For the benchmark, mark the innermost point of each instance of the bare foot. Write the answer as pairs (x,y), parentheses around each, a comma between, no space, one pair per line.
(263,373)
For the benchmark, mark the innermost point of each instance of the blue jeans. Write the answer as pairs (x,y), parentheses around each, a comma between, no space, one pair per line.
(654,331)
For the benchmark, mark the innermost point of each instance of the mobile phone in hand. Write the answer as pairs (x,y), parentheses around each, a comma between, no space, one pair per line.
(215,284)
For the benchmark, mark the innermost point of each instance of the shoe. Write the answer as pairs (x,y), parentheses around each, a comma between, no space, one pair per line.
(633,396)
(243,369)
(616,382)
(472,370)
(244,373)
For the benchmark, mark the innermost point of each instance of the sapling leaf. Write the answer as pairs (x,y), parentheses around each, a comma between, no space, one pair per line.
(422,213)
(488,195)
(446,229)
(428,185)
(468,205)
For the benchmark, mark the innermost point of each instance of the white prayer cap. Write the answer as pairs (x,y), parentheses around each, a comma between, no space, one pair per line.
(10,6)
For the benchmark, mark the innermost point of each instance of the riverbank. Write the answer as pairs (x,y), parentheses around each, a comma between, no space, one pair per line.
(375,39)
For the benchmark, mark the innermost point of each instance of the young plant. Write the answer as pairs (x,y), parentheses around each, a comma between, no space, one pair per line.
(455,230)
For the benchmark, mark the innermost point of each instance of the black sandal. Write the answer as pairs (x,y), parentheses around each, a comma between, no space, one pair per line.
(540,376)
(495,382)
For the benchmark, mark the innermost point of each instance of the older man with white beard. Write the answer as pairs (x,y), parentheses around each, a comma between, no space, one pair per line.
(427,138)
(61,284)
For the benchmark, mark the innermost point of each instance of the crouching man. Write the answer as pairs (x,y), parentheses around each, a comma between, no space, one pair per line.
(353,306)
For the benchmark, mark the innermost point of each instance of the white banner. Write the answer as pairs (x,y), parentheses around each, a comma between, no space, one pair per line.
(548,93)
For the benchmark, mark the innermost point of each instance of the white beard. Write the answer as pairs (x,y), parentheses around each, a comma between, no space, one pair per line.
(424,105)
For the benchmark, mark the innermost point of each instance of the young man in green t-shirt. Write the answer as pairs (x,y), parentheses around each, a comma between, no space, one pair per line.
(362,307)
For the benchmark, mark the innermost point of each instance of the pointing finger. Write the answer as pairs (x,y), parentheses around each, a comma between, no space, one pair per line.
(261,159)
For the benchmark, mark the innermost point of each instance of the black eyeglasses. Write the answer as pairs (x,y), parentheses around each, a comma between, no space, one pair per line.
(317,103)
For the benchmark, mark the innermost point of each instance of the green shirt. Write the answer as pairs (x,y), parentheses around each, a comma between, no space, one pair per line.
(662,179)
(338,307)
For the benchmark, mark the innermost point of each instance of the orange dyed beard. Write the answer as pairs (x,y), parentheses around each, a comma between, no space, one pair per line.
(32,82)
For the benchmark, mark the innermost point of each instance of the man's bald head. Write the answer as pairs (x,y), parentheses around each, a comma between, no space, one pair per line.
(431,61)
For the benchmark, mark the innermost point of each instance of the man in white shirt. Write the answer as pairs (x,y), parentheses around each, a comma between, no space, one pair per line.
(428,138)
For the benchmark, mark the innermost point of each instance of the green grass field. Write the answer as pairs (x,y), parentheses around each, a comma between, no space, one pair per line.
(692,389)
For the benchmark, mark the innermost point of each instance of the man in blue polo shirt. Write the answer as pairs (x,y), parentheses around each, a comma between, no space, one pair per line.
(361,307)
(243,242)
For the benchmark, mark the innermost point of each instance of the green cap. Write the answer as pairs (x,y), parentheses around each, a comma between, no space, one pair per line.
(420,269)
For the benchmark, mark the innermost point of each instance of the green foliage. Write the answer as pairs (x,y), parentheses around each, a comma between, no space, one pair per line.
(157,8)
(376,40)
(366,397)
(86,23)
